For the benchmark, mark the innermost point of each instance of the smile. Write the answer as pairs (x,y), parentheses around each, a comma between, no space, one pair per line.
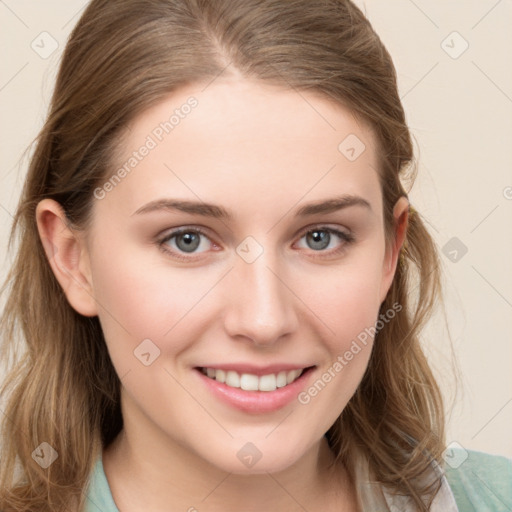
(251,382)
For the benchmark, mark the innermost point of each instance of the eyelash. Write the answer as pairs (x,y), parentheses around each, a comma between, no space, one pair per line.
(348,238)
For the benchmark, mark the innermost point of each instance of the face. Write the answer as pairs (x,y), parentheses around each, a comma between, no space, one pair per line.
(251,283)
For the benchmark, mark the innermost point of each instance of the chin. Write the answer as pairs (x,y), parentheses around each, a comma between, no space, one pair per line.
(262,456)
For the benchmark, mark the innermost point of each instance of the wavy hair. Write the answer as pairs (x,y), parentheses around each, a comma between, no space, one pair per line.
(122,57)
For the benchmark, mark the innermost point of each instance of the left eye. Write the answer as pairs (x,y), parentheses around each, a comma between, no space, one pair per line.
(321,237)
(189,240)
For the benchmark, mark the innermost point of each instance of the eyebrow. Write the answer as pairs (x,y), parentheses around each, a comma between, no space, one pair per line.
(218,212)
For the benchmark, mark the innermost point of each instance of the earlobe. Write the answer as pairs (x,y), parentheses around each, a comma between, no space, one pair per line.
(401,218)
(67,256)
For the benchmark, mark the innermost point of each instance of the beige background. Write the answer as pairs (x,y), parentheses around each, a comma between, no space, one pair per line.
(459,107)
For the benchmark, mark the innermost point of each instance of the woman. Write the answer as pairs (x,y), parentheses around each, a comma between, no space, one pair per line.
(220,280)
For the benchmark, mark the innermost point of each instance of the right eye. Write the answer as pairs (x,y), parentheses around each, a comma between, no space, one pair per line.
(183,241)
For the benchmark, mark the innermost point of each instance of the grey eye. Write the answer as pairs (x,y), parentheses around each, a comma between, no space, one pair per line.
(319,239)
(188,241)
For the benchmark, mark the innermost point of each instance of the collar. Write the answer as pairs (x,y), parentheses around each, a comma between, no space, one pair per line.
(374,496)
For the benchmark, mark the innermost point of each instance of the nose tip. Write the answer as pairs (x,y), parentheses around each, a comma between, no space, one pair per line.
(261,306)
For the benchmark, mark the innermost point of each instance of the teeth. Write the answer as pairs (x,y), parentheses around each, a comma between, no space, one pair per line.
(232,379)
(250,382)
(292,375)
(267,383)
(281,380)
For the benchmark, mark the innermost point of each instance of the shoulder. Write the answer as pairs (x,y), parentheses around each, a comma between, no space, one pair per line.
(479,481)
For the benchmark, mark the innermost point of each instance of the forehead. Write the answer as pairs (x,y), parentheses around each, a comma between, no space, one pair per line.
(244,143)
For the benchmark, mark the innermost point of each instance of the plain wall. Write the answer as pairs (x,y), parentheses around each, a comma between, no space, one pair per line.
(458,103)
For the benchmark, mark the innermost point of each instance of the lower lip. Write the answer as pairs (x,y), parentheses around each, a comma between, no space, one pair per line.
(257,402)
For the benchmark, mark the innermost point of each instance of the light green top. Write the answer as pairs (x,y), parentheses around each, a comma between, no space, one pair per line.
(480,483)
(99,497)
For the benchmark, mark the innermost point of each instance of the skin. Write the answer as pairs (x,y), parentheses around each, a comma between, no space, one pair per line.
(261,152)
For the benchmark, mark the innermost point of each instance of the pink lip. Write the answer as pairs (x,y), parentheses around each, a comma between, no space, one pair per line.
(256,370)
(256,402)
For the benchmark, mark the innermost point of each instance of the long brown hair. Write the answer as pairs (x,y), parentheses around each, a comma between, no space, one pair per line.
(122,57)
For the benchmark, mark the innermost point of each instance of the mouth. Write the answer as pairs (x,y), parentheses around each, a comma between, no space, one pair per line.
(266,382)
(255,390)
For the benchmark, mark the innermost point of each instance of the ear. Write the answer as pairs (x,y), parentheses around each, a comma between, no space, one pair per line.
(67,255)
(400,218)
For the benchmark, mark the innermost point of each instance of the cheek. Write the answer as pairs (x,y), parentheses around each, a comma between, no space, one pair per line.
(140,300)
(347,304)
(346,298)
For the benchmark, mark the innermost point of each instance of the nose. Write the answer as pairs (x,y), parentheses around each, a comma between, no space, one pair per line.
(260,305)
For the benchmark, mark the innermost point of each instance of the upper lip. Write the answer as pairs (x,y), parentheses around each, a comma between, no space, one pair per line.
(256,370)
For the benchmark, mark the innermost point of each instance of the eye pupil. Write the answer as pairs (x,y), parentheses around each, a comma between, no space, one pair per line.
(190,239)
(319,237)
